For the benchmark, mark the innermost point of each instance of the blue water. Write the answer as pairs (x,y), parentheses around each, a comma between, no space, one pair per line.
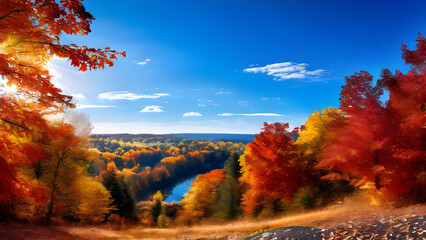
(179,191)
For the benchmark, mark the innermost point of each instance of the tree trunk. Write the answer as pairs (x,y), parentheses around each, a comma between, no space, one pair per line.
(37,170)
(377,177)
(55,176)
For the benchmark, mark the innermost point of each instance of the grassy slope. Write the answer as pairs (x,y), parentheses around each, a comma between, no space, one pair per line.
(232,230)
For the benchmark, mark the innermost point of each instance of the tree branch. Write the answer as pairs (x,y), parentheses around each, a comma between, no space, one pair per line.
(15,124)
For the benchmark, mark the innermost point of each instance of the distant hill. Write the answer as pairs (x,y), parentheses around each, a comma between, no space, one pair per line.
(134,137)
(225,137)
(210,137)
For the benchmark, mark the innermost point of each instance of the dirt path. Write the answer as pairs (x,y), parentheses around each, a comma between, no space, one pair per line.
(330,218)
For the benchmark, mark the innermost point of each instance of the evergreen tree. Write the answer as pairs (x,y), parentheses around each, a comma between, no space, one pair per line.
(232,165)
(227,205)
(122,197)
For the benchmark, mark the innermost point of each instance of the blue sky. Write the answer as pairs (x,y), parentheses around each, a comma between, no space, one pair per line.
(228,66)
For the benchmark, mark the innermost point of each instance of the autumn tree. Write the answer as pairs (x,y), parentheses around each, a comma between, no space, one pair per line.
(407,105)
(16,150)
(94,200)
(61,152)
(318,191)
(360,146)
(157,210)
(382,145)
(60,163)
(198,203)
(30,33)
(271,170)
(311,136)
(71,193)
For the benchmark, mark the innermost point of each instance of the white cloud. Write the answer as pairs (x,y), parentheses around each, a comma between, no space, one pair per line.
(153,108)
(78,95)
(192,114)
(244,103)
(288,70)
(144,61)
(223,93)
(83,106)
(250,114)
(125,95)
(202,102)
(265,98)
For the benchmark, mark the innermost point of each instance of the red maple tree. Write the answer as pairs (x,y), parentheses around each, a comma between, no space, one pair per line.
(273,170)
(381,143)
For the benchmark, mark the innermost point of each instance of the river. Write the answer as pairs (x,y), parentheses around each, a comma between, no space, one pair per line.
(179,191)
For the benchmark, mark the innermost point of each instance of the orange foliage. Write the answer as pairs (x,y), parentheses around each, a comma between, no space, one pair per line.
(194,154)
(109,156)
(174,160)
(159,173)
(173,151)
(130,155)
(30,33)
(111,167)
(197,203)
(134,154)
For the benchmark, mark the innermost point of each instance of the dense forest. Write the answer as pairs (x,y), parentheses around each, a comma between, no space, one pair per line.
(53,170)
(154,164)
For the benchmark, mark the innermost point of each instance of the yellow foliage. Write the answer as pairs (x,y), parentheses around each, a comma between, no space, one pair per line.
(203,194)
(310,140)
(109,156)
(95,200)
(157,197)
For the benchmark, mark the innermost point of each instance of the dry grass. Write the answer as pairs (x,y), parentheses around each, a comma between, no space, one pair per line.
(241,229)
